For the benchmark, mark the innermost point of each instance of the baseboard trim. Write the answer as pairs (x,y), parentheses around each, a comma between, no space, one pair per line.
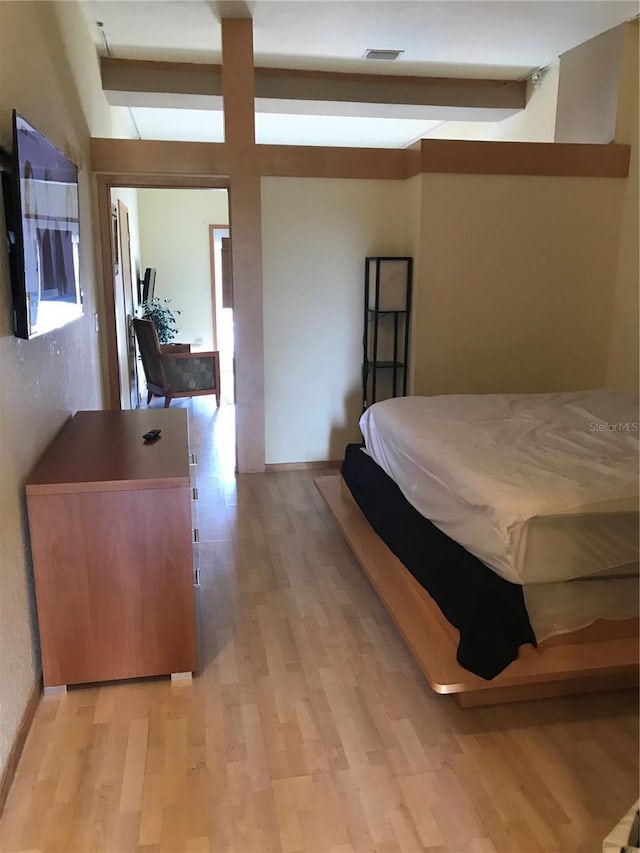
(11,766)
(275,467)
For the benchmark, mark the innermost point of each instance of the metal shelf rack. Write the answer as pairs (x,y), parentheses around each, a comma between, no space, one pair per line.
(387,314)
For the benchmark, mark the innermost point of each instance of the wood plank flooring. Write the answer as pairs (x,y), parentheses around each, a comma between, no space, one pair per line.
(309,727)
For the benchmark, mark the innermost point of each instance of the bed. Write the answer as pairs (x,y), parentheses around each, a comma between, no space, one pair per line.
(519,515)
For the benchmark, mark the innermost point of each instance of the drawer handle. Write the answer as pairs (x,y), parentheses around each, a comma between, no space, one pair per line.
(196,577)
(195,535)
(194,493)
(193,459)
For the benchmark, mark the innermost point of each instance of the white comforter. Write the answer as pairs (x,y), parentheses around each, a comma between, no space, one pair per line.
(540,487)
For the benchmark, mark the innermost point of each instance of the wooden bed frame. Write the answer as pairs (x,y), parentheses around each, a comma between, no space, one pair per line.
(604,656)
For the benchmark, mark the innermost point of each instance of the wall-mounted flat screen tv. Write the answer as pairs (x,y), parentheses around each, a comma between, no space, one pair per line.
(40,188)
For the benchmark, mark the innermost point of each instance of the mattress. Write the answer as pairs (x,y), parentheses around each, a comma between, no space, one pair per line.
(557,608)
(540,487)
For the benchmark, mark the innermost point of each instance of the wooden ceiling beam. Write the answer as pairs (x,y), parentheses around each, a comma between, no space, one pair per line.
(139,83)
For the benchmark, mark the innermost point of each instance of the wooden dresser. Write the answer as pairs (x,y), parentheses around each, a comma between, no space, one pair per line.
(110,522)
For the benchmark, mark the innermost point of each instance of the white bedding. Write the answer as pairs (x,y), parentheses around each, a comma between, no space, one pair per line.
(539,487)
(555,608)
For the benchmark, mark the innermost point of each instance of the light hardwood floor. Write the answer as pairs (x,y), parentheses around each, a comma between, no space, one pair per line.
(308,727)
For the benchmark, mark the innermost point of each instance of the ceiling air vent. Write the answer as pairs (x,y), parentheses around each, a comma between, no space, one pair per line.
(382,54)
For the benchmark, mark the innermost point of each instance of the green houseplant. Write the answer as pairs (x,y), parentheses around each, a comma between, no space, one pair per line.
(163,318)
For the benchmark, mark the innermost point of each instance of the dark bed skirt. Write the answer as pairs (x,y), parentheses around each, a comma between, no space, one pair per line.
(488,611)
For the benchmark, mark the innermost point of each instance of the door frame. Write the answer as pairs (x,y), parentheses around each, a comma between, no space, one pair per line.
(105,183)
(244,219)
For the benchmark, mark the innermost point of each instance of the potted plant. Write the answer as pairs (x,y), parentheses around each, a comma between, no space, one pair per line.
(163,318)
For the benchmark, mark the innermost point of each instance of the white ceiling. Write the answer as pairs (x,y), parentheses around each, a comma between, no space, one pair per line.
(280,129)
(350,131)
(504,39)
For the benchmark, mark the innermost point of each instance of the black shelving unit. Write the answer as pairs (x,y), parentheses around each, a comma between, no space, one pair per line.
(387,314)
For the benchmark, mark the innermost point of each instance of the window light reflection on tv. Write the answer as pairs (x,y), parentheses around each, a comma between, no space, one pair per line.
(46,272)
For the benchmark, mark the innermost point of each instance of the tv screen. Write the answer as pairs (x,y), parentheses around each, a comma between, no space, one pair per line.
(43,223)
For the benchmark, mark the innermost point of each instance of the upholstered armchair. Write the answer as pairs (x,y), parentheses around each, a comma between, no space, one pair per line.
(173,372)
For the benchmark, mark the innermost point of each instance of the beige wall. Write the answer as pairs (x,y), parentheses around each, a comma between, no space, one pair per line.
(316,234)
(536,123)
(413,202)
(622,368)
(515,288)
(581,98)
(588,90)
(174,238)
(512,291)
(79,77)
(45,380)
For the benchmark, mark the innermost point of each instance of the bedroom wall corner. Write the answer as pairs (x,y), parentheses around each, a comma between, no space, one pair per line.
(413,201)
(316,233)
(588,89)
(622,366)
(535,123)
(80,76)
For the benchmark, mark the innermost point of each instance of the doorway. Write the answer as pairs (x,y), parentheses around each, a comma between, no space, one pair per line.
(168,231)
(249,354)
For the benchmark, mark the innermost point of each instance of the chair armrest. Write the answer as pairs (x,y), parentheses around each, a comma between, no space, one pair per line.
(188,354)
(175,349)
